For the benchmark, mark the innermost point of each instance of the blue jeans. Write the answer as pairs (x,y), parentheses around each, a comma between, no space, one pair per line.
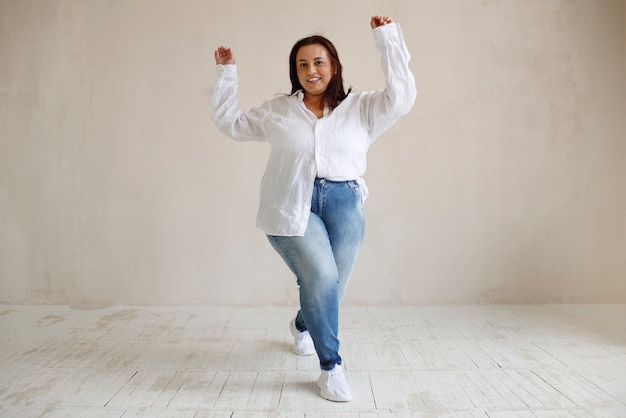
(323,260)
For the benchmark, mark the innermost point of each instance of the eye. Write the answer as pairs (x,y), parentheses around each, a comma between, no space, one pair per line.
(302,65)
(320,62)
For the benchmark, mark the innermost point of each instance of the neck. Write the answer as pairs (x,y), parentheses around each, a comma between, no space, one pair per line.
(314,101)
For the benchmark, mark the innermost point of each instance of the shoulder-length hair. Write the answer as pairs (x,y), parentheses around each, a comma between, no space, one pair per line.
(335,92)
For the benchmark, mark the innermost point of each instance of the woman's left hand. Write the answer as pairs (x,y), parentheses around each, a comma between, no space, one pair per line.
(378,21)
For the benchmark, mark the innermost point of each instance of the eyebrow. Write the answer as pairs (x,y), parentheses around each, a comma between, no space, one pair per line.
(316,58)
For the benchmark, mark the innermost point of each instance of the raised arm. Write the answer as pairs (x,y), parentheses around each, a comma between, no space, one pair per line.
(228,118)
(384,107)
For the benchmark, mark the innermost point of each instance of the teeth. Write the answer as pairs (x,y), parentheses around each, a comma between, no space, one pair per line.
(313,79)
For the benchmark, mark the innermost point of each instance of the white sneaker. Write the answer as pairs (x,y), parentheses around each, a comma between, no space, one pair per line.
(303,343)
(333,385)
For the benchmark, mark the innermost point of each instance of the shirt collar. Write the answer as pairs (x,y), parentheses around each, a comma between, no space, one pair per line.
(300,96)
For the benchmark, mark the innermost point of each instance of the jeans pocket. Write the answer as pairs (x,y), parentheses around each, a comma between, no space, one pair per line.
(356,190)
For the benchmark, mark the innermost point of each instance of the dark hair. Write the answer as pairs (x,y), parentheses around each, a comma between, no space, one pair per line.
(335,92)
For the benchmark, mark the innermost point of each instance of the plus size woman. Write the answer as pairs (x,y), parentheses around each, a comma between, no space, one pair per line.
(312,191)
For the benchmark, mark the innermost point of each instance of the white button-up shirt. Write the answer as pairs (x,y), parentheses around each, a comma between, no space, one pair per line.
(302,146)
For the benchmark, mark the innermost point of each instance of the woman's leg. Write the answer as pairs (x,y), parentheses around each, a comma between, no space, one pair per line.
(311,259)
(343,216)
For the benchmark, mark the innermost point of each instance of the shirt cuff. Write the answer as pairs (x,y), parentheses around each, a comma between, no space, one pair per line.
(228,70)
(390,30)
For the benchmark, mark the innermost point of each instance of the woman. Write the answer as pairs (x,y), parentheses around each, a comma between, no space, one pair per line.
(312,192)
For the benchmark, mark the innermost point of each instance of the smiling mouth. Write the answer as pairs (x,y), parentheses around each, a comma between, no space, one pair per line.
(313,80)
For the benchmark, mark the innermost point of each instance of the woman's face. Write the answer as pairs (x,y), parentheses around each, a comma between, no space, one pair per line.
(315,69)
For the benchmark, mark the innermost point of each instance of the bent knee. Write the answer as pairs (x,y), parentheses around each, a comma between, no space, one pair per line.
(319,278)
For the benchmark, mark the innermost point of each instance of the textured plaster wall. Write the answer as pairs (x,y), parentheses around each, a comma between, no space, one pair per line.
(506,183)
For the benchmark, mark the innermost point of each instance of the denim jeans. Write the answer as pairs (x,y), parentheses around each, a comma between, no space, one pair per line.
(323,260)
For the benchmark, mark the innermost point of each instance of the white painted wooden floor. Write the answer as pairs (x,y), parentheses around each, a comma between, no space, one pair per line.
(426,361)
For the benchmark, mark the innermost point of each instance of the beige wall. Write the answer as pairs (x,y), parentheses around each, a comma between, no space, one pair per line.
(506,183)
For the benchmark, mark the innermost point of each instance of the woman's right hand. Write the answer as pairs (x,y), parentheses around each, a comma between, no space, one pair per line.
(224,56)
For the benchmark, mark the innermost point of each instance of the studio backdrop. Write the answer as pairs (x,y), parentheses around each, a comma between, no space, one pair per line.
(505,184)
